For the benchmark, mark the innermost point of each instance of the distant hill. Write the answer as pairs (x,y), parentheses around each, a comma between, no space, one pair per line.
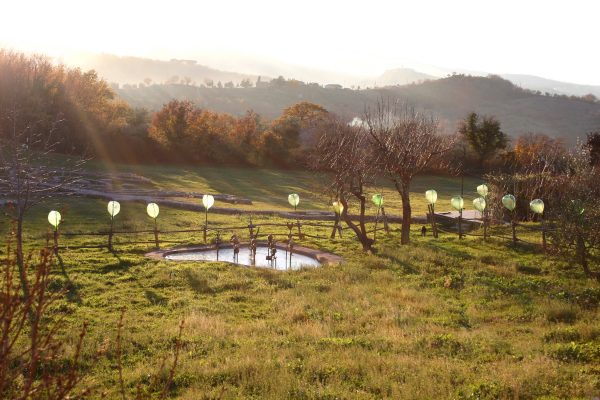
(234,68)
(548,85)
(520,111)
(399,76)
(134,70)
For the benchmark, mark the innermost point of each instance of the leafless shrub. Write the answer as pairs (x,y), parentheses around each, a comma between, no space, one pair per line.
(30,352)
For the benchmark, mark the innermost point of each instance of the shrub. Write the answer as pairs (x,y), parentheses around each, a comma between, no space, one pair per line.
(575,352)
(562,314)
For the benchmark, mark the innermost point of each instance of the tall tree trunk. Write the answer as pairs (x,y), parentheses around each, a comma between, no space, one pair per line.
(582,258)
(404,190)
(359,230)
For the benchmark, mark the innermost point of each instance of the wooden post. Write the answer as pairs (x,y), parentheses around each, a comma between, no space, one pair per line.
(251,229)
(514,231)
(543,234)
(298,222)
(386,226)
(156,234)
(431,209)
(376,219)
(205,223)
(485,222)
(460,234)
(110,234)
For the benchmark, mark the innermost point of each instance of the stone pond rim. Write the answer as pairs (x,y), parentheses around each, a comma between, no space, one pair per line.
(321,256)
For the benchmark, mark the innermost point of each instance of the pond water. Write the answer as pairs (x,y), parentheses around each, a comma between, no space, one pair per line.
(226,254)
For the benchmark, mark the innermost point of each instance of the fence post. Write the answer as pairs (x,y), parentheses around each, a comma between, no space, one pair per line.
(544,235)
(110,234)
(485,224)
(386,226)
(460,234)
(156,234)
(514,231)
(251,229)
(376,219)
(431,209)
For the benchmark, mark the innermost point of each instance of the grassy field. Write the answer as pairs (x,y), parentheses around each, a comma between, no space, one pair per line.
(268,189)
(443,318)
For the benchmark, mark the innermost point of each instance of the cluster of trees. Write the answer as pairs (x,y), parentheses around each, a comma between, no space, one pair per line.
(568,181)
(485,147)
(188,133)
(79,108)
(85,117)
(392,140)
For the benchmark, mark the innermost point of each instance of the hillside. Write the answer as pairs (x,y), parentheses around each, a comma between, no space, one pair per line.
(134,70)
(551,86)
(399,76)
(450,98)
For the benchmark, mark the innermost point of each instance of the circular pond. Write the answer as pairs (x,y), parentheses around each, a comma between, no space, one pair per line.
(301,257)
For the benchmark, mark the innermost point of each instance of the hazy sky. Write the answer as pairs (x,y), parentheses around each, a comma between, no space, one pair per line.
(554,39)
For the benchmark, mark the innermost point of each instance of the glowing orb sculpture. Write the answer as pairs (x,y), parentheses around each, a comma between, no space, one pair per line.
(152,210)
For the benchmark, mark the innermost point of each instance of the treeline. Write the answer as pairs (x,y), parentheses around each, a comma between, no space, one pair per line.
(188,133)
(82,114)
(77,108)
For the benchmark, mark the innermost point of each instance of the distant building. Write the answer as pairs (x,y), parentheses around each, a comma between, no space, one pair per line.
(333,86)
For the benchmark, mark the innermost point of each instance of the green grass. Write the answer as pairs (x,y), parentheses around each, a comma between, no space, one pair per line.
(442,318)
(268,189)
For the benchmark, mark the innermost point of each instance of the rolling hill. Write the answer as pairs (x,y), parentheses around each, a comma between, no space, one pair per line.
(134,70)
(551,86)
(520,111)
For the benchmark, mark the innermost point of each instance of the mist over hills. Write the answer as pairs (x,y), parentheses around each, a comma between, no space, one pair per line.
(551,86)
(135,70)
(398,76)
(235,68)
(451,98)
(152,83)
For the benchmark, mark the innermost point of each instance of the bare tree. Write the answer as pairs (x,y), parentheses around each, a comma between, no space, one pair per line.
(530,172)
(29,175)
(575,212)
(343,152)
(407,143)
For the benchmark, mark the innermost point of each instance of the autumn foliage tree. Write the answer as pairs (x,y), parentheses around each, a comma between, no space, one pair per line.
(536,150)
(190,134)
(41,92)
